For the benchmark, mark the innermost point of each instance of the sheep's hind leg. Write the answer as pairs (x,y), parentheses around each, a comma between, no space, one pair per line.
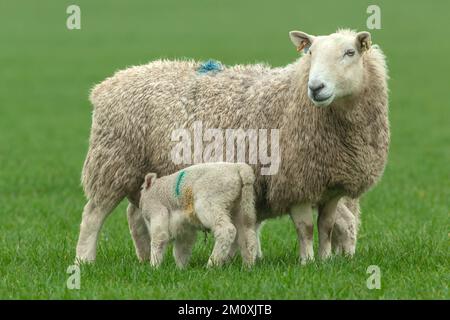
(302,217)
(326,221)
(93,218)
(139,232)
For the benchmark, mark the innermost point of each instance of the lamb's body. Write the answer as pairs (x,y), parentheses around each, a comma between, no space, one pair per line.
(213,196)
(340,150)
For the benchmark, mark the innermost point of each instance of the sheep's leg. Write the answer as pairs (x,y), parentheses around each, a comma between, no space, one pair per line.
(139,232)
(158,224)
(302,217)
(92,220)
(344,231)
(326,220)
(182,248)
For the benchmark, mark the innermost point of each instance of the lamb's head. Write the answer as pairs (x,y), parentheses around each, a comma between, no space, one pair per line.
(149,182)
(336,64)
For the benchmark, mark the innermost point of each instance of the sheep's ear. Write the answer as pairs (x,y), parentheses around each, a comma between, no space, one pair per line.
(301,40)
(149,180)
(363,41)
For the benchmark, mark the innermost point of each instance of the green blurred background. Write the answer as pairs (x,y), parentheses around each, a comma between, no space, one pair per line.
(46,72)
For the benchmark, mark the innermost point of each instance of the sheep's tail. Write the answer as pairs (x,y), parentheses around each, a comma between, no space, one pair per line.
(247,201)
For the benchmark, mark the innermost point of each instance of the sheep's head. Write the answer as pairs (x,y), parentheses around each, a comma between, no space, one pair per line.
(336,64)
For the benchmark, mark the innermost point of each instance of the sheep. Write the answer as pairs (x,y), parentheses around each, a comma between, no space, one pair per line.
(212,196)
(330,105)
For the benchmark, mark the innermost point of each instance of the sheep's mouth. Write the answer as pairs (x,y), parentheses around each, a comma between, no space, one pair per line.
(322,101)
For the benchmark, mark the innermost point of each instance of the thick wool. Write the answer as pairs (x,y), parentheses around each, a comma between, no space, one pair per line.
(339,149)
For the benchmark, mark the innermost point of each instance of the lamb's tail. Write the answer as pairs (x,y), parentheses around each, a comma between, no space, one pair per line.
(247,201)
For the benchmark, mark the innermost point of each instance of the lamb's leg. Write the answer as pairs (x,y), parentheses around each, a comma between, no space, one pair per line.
(302,217)
(247,243)
(139,232)
(158,224)
(326,220)
(224,235)
(182,248)
(344,231)
(93,218)
(245,223)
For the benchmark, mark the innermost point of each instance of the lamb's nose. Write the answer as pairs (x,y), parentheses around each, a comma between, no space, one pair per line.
(316,87)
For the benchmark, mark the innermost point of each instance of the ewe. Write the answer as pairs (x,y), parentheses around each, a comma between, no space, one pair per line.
(331,107)
(215,196)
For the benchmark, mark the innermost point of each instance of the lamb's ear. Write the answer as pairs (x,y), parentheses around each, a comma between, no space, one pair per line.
(149,180)
(363,41)
(301,40)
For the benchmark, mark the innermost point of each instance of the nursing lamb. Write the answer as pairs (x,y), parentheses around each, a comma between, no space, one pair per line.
(213,196)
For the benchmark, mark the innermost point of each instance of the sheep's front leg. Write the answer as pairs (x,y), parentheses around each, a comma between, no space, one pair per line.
(326,221)
(92,221)
(182,248)
(301,215)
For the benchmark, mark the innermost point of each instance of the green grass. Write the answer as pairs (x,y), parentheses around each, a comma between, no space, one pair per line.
(46,72)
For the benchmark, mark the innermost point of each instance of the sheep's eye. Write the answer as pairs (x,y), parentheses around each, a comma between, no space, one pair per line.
(310,52)
(349,52)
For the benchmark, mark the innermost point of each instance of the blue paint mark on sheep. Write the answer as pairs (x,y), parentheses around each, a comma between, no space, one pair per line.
(178,182)
(210,66)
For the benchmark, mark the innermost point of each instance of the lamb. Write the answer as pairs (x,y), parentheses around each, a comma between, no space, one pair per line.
(331,107)
(212,196)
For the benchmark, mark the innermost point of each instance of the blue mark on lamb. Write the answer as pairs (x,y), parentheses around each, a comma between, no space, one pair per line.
(178,182)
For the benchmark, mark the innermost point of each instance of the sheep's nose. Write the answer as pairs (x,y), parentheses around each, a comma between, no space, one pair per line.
(316,87)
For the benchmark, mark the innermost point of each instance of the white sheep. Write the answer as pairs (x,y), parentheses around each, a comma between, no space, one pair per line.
(215,196)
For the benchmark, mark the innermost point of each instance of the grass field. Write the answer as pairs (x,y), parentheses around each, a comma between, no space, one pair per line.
(46,72)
